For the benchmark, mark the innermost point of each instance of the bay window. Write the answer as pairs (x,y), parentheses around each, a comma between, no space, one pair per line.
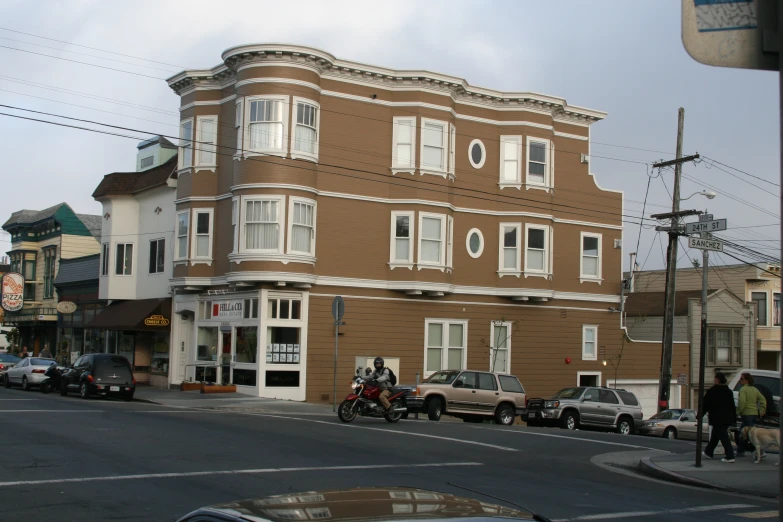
(50,256)
(509,256)
(537,250)
(433,146)
(104,260)
(262,224)
(238,118)
(539,162)
(432,232)
(201,247)
(267,127)
(124,259)
(776,309)
(235,223)
(305,122)
(402,236)
(760,298)
(183,227)
(403,144)
(186,144)
(510,160)
(301,226)
(590,263)
(445,345)
(724,346)
(207,141)
(157,256)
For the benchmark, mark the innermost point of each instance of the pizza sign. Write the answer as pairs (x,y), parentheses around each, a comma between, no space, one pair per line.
(12,292)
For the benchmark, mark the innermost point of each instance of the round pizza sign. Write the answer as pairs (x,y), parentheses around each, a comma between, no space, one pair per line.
(12,291)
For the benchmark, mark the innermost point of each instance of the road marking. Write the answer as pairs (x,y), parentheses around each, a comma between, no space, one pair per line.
(630,514)
(234,472)
(757,514)
(19,399)
(572,438)
(424,435)
(51,411)
(237,411)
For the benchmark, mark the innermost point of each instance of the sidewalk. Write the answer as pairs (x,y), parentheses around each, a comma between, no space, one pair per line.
(741,477)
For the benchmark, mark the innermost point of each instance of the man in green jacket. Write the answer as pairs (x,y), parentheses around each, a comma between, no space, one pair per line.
(751,404)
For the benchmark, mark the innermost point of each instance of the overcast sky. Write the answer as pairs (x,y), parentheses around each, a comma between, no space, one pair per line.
(625,58)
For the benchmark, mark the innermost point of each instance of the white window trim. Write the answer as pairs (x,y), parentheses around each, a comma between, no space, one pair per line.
(394,263)
(105,258)
(597,374)
(397,167)
(587,277)
(156,260)
(444,356)
(443,172)
(202,146)
(134,264)
(492,338)
(593,357)
(507,271)
(441,265)
(152,157)
(247,151)
(289,247)
(298,154)
(481,243)
(239,126)
(483,154)
(194,259)
(548,233)
(768,303)
(548,183)
(280,221)
(515,141)
(176,236)
(181,150)
(235,210)
(449,243)
(452,150)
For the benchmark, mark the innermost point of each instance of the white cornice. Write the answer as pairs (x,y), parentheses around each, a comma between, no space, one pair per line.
(207,102)
(347,282)
(301,83)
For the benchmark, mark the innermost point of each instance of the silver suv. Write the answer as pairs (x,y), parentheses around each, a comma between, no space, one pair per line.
(570,408)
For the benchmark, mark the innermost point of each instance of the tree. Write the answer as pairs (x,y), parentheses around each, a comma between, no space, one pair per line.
(13,336)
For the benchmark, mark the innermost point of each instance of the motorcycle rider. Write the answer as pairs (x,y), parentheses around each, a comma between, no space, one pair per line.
(381,376)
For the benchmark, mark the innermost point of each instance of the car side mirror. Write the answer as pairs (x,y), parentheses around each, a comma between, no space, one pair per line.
(459,384)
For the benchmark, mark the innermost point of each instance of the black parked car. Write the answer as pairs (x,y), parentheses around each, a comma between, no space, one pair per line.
(101,374)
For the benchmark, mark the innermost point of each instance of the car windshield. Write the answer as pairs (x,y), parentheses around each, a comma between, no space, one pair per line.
(36,361)
(446,377)
(8,358)
(667,415)
(569,393)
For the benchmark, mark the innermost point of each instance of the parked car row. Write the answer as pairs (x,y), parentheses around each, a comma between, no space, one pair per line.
(100,374)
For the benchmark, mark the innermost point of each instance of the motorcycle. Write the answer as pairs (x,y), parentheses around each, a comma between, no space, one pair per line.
(363,400)
(53,374)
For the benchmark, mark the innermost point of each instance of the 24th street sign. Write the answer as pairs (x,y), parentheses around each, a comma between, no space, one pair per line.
(705,226)
(705,244)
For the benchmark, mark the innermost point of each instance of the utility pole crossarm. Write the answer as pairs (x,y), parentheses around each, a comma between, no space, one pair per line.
(678,161)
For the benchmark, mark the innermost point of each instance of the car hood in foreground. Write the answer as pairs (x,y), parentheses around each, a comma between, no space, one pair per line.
(364,504)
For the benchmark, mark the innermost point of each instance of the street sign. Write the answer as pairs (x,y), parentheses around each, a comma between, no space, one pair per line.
(705,244)
(705,226)
(705,217)
(682,379)
(338,308)
(729,33)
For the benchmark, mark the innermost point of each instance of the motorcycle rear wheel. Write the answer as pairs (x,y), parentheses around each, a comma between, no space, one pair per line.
(394,416)
(346,412)
(46,387)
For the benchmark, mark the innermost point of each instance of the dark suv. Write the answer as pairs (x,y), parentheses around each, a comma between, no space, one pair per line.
(101,374)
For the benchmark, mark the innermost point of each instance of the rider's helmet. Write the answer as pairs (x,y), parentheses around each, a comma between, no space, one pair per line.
(378,363)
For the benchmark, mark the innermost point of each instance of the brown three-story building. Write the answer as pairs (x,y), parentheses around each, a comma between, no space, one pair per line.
(461,225)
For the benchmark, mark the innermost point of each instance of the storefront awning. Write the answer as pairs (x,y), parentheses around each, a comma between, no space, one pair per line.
(141,315)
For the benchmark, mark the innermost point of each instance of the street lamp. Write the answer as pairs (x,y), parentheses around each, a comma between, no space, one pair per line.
(706,193)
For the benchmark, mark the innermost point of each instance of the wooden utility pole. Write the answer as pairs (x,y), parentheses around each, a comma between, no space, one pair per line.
(664,385)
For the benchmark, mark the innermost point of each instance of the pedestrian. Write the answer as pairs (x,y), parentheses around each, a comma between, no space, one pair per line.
(24,352)
(752,405)
(45,353)
(719,405)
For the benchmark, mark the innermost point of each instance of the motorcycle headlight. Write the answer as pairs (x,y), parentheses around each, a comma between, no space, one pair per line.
(551,404)
(354,385)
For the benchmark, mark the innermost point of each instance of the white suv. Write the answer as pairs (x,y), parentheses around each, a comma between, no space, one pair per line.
(768,383)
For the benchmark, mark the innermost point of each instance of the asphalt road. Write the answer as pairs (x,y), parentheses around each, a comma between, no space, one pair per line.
(70,459)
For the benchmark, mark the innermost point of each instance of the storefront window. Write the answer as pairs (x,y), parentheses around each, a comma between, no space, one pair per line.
(94,341)
(111,343)
(206,349)
(282,345)
(245,377)
(125,347)
(284,308)
(247,344)
(160,352)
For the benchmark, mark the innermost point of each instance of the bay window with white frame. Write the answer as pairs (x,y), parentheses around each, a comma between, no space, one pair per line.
(509,255)
(301,226)
(262,224)
(239,117)
(183,230)
(449,243)
(452,152)
(186,143)
(402,236)
(434,147)
(305,121)
(537,250)
(403,144)
(500,346)
(590,262)
(206,155)
(510,161)
(235,223)
(589,342)
(445,345)
(539,164)
(201,246)
(267,125)
(432,241)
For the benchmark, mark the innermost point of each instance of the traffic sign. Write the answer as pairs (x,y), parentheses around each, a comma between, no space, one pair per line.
(705,226)
(338,308)
(705,244)
(682,379)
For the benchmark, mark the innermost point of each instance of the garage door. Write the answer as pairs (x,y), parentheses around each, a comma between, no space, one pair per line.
(647,393)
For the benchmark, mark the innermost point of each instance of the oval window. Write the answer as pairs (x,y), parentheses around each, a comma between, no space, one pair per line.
(477,154)
(475,243)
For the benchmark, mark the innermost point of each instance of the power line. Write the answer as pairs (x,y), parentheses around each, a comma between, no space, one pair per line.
(741,179)
(730,196)
(741,171)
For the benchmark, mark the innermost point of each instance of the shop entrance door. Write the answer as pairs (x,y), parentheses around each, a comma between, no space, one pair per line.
(226,358)
(244,371)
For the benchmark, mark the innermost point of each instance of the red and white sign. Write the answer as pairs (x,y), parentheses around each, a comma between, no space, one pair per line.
(12,292)
(227,309)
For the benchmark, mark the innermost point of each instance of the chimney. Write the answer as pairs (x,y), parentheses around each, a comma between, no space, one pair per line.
(153,152)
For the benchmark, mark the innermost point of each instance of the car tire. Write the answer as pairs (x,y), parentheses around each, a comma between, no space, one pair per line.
(569,421)
(625,426)
(63,389)
(505,415)
(128,397)
(7,382)
(84,391)
(670,433)
(25,384)
(435,409)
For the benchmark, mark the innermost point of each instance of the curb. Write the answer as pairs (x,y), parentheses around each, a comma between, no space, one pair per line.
(148,401)
(647,467)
